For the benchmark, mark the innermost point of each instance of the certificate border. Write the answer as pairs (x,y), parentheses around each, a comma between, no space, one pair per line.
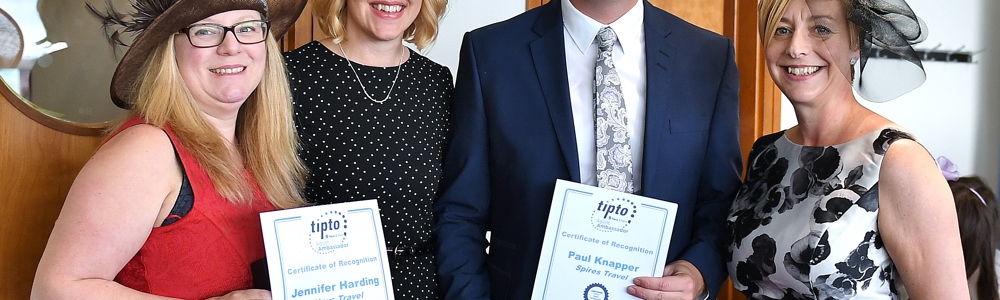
(272,220)
(281,261)
(562,211)
(666,212)
(381,248)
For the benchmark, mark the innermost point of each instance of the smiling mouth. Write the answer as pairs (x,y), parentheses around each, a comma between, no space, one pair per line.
(803,71)
(228,70)
(388,8)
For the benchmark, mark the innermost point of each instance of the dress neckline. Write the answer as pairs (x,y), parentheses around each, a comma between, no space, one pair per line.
(322,47)
(866,136)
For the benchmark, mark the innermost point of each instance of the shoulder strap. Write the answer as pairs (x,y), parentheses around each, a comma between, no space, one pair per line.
(763,142)
(887,137)
(185,197)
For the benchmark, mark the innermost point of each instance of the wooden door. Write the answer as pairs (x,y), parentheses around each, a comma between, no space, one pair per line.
(38,165)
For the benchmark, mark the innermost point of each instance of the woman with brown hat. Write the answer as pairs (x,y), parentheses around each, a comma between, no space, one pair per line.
(372,116)
(169,205)
(846,204)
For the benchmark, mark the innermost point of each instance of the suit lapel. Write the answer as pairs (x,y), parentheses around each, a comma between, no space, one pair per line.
(659,86)
(548,55)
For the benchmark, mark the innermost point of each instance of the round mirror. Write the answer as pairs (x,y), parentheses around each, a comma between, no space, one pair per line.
(60,68)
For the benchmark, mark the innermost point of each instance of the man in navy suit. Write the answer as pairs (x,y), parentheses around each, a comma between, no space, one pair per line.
(523,116)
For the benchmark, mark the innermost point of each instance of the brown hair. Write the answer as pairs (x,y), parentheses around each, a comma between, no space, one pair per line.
(331,15)
(978,217)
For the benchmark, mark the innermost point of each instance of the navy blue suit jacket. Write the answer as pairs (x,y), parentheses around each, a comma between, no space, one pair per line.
(512,136)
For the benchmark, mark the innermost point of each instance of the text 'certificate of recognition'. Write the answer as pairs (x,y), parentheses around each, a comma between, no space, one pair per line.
(333,251)
(597,240)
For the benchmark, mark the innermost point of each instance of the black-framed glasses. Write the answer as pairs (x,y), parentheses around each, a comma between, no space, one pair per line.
(207,35)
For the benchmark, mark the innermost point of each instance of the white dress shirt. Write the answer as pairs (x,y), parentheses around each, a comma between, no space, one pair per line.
(629,55)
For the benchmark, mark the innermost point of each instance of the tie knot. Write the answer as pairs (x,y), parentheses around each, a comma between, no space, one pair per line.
(606,38)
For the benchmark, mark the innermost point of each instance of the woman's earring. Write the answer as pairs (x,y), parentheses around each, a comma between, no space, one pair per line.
(854,60)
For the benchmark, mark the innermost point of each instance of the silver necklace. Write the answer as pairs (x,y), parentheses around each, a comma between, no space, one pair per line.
(387,95)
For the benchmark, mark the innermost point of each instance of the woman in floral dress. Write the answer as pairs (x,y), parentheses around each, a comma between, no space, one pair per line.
(846,204)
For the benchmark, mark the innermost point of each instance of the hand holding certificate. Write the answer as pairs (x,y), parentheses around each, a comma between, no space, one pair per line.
(333,251)
(597,240)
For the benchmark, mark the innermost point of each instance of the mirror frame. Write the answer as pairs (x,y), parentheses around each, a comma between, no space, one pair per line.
(85,129)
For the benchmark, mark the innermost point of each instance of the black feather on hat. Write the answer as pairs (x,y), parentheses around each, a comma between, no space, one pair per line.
(154,21)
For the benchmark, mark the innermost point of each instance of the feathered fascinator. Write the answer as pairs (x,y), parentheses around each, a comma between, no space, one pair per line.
(154,21)
(889,25)
(145,13)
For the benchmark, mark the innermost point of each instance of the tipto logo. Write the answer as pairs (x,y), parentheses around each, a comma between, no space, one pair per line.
(613,215)
(328,232)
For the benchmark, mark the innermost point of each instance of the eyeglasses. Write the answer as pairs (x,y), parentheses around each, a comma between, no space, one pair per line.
(209,35)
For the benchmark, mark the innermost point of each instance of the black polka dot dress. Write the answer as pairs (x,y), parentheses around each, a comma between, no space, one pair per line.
(357,149)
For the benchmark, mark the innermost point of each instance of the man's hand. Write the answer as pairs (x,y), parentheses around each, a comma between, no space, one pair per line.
(681,280)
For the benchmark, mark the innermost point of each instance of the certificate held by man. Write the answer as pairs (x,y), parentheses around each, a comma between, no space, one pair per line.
(333,251)
(597,240)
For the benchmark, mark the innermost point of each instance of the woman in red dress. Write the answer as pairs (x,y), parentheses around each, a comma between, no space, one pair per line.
(169,205)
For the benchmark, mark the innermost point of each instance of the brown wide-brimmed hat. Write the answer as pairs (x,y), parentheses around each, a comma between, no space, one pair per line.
(154,21)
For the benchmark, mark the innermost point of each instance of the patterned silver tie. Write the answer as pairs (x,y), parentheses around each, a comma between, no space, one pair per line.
(614,153)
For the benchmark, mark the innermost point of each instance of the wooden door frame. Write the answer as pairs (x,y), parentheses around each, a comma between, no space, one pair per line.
(305,30)
(760,99)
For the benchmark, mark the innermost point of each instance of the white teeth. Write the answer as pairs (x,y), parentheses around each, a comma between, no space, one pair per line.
(228,71)
(802,71)
(388,8)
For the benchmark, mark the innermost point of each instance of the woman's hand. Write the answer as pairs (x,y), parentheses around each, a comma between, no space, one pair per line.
(253,294)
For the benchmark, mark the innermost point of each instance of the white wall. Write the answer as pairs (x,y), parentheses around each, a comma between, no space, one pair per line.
(988,133)
(463,16)
(955,112)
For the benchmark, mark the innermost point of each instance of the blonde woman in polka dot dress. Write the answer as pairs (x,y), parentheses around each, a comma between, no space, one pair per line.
(372,116)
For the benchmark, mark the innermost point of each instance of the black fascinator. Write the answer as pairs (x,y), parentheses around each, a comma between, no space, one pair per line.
(888,25)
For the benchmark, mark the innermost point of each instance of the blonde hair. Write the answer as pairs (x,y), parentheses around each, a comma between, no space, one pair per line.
(265,131)
(769,13)
(332,13)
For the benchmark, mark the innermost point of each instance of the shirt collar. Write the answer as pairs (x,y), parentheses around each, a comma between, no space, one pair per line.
(582,29)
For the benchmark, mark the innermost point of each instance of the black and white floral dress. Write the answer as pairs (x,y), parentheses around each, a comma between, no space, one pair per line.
(804,224)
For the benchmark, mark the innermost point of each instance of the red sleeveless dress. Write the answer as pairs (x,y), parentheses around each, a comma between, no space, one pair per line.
(208,252)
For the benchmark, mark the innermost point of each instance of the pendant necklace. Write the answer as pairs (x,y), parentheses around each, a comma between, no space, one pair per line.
(387,95)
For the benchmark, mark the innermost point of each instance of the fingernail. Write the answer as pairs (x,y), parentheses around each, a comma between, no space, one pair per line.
(631,290)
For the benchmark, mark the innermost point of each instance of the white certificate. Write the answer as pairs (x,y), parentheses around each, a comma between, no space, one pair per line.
(333,251)
(597,240)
